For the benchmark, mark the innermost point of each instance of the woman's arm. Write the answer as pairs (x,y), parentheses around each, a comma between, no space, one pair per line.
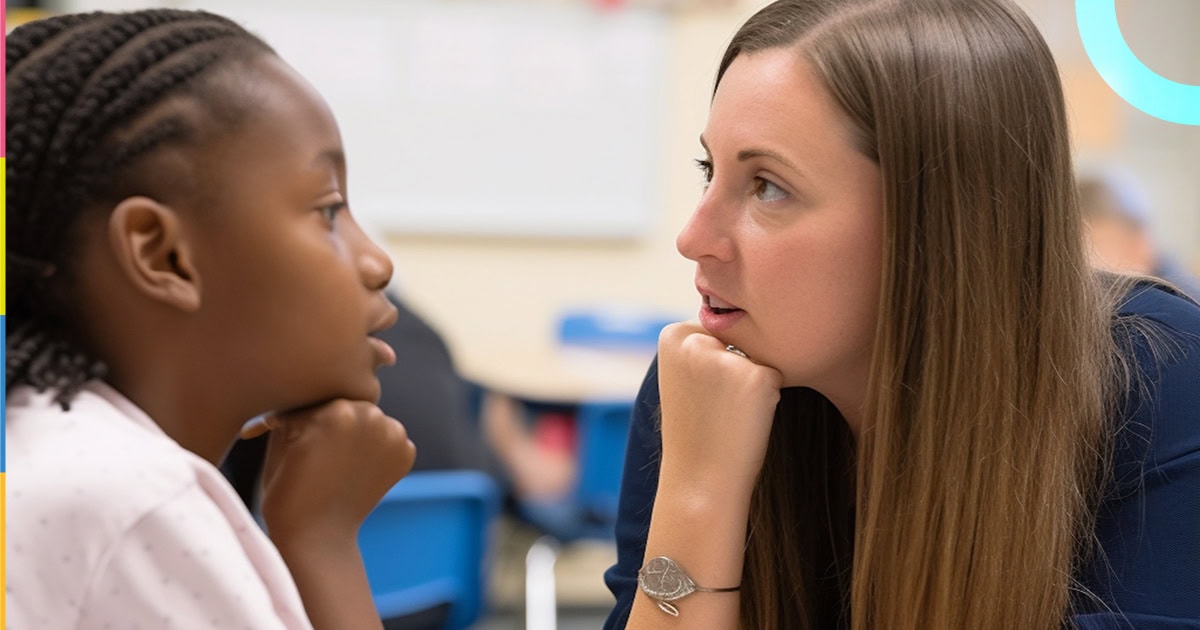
(717,410)
(702,527)
(639,482)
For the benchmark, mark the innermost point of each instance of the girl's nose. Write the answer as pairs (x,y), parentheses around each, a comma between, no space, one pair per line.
(374,265)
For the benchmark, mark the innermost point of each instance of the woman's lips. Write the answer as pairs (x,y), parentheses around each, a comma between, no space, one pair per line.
(717,303)
(717,315)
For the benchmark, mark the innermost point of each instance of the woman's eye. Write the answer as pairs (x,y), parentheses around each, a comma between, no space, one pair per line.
(706,169)
(766,191)
(331,211)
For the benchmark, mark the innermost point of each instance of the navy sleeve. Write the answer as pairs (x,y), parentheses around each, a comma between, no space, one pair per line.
(1147,575)
(639,483)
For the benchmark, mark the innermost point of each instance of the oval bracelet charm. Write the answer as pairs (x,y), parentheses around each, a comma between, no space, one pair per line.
(663,581)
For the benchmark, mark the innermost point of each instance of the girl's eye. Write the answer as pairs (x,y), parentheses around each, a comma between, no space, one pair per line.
(331,211)
(767,191)
(706,169)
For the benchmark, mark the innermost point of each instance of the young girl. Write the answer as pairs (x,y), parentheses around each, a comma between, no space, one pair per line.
(181,259)
(908,402)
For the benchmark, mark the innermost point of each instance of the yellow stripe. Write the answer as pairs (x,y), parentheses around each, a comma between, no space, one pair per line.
(16,17)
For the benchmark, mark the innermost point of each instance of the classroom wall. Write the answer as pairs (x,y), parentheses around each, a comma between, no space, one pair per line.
(462,283)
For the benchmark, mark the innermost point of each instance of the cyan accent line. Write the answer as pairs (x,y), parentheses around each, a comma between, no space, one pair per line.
(1125,73)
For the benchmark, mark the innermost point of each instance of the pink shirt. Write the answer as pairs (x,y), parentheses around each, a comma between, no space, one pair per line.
(112,524)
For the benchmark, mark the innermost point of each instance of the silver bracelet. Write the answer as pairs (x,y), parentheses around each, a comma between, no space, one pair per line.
(664,581)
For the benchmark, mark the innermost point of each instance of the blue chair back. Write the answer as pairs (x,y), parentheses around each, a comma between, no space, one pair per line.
(591,510)
(603,433)
(427,543)
(612,328)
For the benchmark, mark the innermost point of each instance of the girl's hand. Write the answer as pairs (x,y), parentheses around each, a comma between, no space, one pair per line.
(717,410)
(327,467)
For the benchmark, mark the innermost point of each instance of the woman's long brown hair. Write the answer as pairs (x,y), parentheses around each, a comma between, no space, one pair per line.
(967,500)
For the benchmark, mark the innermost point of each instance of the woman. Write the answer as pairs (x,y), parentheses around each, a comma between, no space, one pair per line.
(908,403)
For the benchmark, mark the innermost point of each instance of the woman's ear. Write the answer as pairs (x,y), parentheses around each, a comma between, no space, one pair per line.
(152,250)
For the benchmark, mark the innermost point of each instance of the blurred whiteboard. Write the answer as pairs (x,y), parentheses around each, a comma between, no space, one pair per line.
(482,117)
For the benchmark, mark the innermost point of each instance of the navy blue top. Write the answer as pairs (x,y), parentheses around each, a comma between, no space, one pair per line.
(1148,525)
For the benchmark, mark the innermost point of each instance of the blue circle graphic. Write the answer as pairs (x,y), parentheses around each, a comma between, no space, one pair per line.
(1125,73)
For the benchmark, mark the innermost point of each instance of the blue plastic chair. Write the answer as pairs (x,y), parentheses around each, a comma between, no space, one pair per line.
(590,511)
(603,434)
(427,544)
(612,328)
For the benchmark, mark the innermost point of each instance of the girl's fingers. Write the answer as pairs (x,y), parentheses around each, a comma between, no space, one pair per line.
(257,426)
(273,421)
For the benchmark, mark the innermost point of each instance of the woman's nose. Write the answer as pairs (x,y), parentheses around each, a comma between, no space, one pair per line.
(706,233)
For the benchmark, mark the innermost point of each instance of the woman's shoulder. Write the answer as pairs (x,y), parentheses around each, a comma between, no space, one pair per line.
(1158,334)
(1145,570)
(1162,305)
(1158,331)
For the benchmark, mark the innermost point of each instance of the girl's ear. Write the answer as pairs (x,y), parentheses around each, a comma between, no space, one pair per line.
(151,248)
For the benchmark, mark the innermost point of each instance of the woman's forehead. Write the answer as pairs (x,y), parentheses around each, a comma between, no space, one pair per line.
(772,101)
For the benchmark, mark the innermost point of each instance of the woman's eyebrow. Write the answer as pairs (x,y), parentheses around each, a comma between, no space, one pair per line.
(749,154)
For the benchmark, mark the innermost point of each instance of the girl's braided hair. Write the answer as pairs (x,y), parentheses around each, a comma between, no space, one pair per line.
(78,86)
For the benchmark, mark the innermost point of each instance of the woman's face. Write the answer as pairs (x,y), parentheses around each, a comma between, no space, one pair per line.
(788,235)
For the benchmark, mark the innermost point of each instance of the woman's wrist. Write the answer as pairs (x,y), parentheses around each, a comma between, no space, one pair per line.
(705,486)
(703,529)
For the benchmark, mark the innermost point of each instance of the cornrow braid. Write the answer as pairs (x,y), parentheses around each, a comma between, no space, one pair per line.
(74,83)
(36,33)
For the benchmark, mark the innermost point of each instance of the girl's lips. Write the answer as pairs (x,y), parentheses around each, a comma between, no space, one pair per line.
(387,355)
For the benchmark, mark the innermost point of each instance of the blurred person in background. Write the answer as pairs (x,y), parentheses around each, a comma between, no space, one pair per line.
(425,391)
(1118,227)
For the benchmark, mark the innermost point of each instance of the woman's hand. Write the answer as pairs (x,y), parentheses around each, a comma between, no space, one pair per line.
(327,467)
(717,410)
